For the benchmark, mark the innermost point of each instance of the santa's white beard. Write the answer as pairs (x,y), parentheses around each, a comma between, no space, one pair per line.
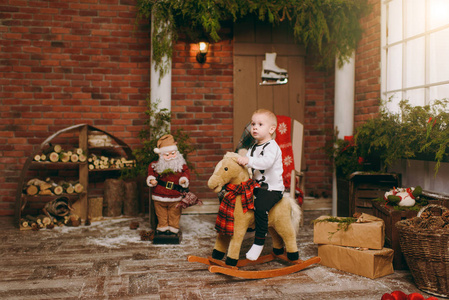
(174,164)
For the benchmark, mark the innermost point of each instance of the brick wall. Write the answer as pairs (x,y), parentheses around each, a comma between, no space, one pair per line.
(202,99)
(367,64)
(319,121)
(65,63)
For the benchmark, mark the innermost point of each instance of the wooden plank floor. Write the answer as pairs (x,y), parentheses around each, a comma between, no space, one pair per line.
(107,260)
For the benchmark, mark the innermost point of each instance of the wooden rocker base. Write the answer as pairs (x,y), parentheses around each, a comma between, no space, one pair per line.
(218,266)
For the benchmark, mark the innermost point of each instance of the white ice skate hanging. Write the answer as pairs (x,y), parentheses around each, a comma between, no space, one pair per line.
(271,73)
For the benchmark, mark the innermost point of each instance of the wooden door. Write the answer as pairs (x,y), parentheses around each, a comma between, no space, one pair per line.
(252,39)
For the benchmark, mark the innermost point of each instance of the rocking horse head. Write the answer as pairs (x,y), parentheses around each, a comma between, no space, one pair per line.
(227,171)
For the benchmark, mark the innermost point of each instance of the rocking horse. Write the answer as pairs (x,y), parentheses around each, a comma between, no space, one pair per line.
(283,223)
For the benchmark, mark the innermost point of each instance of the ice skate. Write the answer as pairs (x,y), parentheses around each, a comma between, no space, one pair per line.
(271,73)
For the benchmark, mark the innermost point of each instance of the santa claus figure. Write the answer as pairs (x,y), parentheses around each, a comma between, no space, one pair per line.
(169,177)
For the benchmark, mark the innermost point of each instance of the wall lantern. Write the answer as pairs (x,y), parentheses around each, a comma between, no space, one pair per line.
(203,47)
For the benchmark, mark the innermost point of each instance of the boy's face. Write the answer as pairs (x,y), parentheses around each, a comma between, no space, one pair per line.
(262,127)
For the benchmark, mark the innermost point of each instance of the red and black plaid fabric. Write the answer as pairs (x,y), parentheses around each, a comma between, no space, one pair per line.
(225,217)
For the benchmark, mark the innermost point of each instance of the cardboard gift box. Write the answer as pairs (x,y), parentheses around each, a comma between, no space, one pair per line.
(368,263)
(367,232)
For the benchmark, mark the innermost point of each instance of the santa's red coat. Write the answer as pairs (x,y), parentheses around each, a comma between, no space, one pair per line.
(161,193)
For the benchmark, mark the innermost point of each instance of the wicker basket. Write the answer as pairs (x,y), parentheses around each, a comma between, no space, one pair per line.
(427,254)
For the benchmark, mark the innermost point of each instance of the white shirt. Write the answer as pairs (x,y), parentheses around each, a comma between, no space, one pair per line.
(266,162)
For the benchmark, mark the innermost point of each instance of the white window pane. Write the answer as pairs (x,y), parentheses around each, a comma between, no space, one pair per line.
(394,68)
(439,56)
(394,21)
(416,97)
(416,21)
(439,92)
(439,13)
(393,100)
(415,62)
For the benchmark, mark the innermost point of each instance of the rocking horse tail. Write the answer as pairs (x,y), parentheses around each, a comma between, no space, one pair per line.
(296,213)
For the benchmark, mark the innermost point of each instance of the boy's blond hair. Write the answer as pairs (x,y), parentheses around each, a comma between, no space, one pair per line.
(269,114)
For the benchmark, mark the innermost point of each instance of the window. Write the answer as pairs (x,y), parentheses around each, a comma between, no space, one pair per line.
(415,51)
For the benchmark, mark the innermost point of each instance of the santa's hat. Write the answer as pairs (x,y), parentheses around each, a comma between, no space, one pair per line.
(165,144)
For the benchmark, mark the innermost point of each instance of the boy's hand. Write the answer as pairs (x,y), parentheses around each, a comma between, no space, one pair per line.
(243,161)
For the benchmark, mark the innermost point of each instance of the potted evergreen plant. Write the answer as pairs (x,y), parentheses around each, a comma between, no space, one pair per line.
(415,132)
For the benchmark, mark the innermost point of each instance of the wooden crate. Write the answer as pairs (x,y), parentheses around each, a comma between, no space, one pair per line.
(392,216)
(365,187)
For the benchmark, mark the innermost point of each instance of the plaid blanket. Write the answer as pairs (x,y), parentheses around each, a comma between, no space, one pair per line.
(225,218)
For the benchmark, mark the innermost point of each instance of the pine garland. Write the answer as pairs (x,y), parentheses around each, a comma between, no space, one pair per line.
(330,28)
(343,223)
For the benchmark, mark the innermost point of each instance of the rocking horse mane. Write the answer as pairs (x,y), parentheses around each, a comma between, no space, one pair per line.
(231,155)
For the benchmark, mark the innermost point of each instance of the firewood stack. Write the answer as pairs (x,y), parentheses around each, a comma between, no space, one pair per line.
(48,222)
(55,153)
(55,213)
(48,187)
(103,162)
(99,139)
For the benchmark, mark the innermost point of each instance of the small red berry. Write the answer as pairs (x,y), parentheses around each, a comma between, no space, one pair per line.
(415,296)
(387,296)
(398,295)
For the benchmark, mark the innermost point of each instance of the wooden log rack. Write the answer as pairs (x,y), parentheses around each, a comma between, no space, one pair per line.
(80,202)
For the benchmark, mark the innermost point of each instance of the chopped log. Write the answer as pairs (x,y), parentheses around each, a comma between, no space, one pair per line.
(24,223)
(91,167)
(74,157)
(131,199)
(113,197)
(44,186)
(57,189)
(37,157)
(35,181)
(45,193)
(32,190)
(82,157)
(54,157)
(69,189)
(64,157)
(57,148)
(44,220)
(43,157)
(78,187)
(52,148)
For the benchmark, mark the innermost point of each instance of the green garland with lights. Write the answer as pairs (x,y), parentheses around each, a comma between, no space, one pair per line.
(330,28)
